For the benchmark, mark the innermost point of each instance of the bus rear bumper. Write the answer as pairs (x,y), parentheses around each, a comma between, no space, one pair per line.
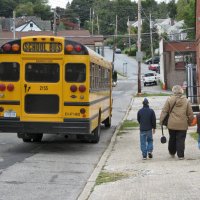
(69,126)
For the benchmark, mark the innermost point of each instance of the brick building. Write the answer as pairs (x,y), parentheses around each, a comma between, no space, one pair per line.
(198,41)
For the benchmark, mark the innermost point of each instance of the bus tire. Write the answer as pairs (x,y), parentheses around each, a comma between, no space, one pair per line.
(37,137)
(26,140)
(107,122)
(97,131)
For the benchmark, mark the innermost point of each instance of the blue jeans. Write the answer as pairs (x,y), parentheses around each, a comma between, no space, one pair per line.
(146,142)
(199,141)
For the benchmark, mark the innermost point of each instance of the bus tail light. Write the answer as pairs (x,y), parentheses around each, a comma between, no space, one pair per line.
(10,87)
(7,47)
(78,48)
(1,109)
(2,87)
(82,88)
(15,47)
(82,111)
(69,48)
(73,88)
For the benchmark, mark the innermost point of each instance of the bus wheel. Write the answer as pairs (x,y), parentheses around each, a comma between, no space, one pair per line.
(107,122)
(26,140)
(96,136)
(37,137)
(97,131)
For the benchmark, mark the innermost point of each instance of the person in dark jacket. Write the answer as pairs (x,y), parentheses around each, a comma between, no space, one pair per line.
(147,120)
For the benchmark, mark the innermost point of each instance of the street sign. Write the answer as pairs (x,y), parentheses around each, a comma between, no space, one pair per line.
(139,56)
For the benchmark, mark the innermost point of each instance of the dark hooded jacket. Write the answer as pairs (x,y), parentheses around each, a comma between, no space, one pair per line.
(146,118)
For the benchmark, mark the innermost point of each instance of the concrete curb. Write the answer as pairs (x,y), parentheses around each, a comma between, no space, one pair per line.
(91,181)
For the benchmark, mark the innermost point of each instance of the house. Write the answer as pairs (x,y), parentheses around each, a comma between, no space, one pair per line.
(174,29)
(25,23)
(28,26)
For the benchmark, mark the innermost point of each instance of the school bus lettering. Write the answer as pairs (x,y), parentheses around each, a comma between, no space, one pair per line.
(42,47)
(43,87)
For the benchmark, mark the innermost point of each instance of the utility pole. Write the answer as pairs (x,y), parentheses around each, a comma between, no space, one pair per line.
(129,34)
(92,21)
(54,22)
(98,24)
(14,17)
(139,47)
(151,26)
(90,14)
(115,40)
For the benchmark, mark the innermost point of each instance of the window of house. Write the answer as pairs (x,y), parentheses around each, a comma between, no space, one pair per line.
(184,58)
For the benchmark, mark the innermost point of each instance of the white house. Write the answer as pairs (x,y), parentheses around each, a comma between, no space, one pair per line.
(28,26)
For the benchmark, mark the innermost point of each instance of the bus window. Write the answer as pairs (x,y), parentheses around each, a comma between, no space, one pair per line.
(9,71)
(75,72)
(42,72)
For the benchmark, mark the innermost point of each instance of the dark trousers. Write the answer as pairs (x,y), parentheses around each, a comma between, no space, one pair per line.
(177,142)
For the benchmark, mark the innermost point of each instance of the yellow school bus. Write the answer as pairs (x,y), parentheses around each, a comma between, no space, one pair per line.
(53,85)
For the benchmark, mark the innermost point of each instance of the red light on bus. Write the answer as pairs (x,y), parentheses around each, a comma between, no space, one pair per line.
(15,47)
(73,88)
(82,88)
(10,87)
(78,48)
(69,48)
(2,87)
(82,111)
(1,109)
(7,47)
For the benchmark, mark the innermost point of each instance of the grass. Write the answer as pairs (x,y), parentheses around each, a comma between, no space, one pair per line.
(129,124)
(194,135)
(153,94)
(105,177)
(121,74)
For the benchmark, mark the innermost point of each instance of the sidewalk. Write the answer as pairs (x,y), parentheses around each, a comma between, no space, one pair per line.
(159,178)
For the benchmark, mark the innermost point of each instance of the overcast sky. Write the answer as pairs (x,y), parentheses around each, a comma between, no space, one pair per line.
(62,3)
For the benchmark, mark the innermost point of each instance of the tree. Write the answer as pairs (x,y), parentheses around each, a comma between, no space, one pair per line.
(7,7)
(186,12)
(172,9)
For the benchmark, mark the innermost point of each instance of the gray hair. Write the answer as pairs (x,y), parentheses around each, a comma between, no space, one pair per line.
(177,89)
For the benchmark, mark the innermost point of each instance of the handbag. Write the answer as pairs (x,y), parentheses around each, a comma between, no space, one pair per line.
(163,139)
(165,120)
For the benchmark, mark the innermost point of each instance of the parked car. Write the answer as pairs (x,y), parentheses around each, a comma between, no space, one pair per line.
(154,67)
(150,78)
(155,60)
(117,50)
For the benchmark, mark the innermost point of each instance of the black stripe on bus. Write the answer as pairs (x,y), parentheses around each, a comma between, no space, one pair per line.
(9,102)
(85,103)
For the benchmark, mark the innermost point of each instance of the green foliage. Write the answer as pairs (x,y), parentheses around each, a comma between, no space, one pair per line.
(172,9)
(25,7)
(129,124)
(194,135)
(186,12)
(105,177)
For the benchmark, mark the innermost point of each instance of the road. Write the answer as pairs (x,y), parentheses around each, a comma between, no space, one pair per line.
(58,168)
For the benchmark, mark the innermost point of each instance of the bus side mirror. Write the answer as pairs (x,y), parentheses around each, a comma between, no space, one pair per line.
(114,76)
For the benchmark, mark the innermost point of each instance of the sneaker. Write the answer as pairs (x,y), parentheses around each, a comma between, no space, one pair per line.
(144,158)
(150,155)
(181,158)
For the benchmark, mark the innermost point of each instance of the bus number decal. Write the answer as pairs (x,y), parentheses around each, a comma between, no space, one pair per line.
(43,87)
(74,114)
